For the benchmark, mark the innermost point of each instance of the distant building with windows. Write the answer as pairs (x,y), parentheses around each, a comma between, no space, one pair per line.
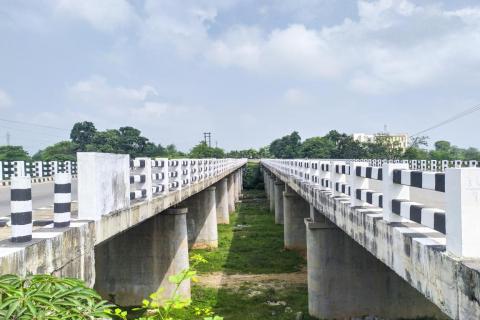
(395,139)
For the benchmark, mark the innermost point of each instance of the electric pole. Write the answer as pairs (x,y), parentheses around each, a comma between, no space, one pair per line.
(207,135)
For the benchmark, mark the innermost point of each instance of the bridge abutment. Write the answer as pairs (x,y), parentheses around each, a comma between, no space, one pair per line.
(202,219)
(221,197)
(295,210)
(138,262)
(279,189)
(345,280)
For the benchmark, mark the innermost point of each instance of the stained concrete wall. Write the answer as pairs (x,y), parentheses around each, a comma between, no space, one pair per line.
(295,210)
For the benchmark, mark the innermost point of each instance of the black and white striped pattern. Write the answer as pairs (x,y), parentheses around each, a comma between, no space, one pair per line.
(173,174)
(325,167)
(369,172)
(138,194)
(158,164)
(173,185)
(137,163)
(138,178)
(158,176)
(429,217)
(325,183)
(21,209)
(62,202)
(369,196)
(342,169)
(343,188)
(420,179)
(157,189)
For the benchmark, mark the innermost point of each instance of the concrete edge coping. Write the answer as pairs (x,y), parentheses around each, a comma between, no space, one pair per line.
(175,211)
(312,225)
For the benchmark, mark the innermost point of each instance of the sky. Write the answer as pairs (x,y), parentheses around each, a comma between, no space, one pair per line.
(249,71)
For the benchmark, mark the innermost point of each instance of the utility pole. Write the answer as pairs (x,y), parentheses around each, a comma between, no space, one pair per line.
(8,138)
(207,135)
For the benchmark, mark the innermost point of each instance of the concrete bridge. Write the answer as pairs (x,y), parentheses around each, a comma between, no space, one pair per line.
(382,238)
(136,220)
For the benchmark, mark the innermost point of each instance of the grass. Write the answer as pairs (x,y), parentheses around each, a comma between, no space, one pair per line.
(252,243)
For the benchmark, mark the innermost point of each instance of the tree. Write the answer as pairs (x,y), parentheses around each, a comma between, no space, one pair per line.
(13,153)
(60,151)
(317,147)
(287,146)
(202,150)
(82,134)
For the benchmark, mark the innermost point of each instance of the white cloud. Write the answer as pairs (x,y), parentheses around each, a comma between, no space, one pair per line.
(5,100)
(105,15)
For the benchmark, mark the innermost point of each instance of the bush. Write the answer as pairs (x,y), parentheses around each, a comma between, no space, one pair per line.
(252,178)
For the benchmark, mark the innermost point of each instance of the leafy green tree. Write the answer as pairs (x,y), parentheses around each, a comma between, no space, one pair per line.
(60,151)
(317,147)
(287,146)
(172,152)
(202,150)
(82,134)
(13,153)
(413,153)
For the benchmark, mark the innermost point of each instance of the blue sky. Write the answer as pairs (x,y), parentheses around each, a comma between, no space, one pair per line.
(248,71)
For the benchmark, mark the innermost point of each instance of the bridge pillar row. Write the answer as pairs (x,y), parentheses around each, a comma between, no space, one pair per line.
(279,189)
(136,263)
(202,219)
(295,210)
(221,197)
(231,193)
(346,281)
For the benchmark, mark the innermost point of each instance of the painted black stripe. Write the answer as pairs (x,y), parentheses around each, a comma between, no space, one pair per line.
(62,188)
(439,222)
(397,176)
(343,188)
(380,174)
(21,239)
(132,195)
(358,171)
(416,178)
(440,182)
(61,224)
(369,172)
(337,169)
(380,201)
(396,206)
(344,169)
(21,218)
(61,207)
(21,194)
(369,197)
(359,194)
(416,213)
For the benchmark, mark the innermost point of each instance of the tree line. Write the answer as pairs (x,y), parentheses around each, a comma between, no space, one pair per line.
(84,136)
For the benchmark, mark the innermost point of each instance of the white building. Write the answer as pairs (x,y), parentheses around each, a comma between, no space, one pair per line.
(396,139)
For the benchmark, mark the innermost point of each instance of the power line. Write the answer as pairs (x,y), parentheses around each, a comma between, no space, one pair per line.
(451,119)
(33,124)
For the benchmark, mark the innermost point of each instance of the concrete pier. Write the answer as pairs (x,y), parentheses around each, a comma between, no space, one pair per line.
(221,197)
(271,191)
(231,193)
(295,210)
(136,263)
(236,180)
(279,189)
(202,219)
(345,280)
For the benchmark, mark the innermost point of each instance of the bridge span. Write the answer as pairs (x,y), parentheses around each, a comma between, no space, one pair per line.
(381,239)
(135,223)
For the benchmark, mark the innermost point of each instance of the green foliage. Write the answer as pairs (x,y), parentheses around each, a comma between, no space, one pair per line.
(60,151)
(252,178)
(13,153)
(48,298)
(202,150)
(286,147)
(82,134)
(317,147)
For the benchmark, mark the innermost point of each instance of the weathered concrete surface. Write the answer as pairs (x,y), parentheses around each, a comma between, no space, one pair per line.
(202,219)
(295,210)
(345,280)
(271,191)
(221,196)
(414,252)
(136,263)
(70,251)
(231,193)
(279,189)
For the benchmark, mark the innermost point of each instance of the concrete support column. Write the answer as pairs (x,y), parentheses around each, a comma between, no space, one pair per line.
(279,189)
(271,191)
(345,280)
(136,263)
(295,210)
(221,197)
(231,193)
(202,219)
(237,188)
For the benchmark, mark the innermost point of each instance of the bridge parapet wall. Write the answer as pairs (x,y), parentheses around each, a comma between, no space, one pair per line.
(434,249)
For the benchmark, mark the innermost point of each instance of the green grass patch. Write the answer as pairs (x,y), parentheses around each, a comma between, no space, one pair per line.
(252,243)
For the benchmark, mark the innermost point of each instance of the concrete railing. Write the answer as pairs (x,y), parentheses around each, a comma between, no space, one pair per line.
(35,169)
(402,191)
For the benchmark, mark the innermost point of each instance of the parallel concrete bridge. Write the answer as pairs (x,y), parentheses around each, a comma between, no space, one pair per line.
(381,239)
